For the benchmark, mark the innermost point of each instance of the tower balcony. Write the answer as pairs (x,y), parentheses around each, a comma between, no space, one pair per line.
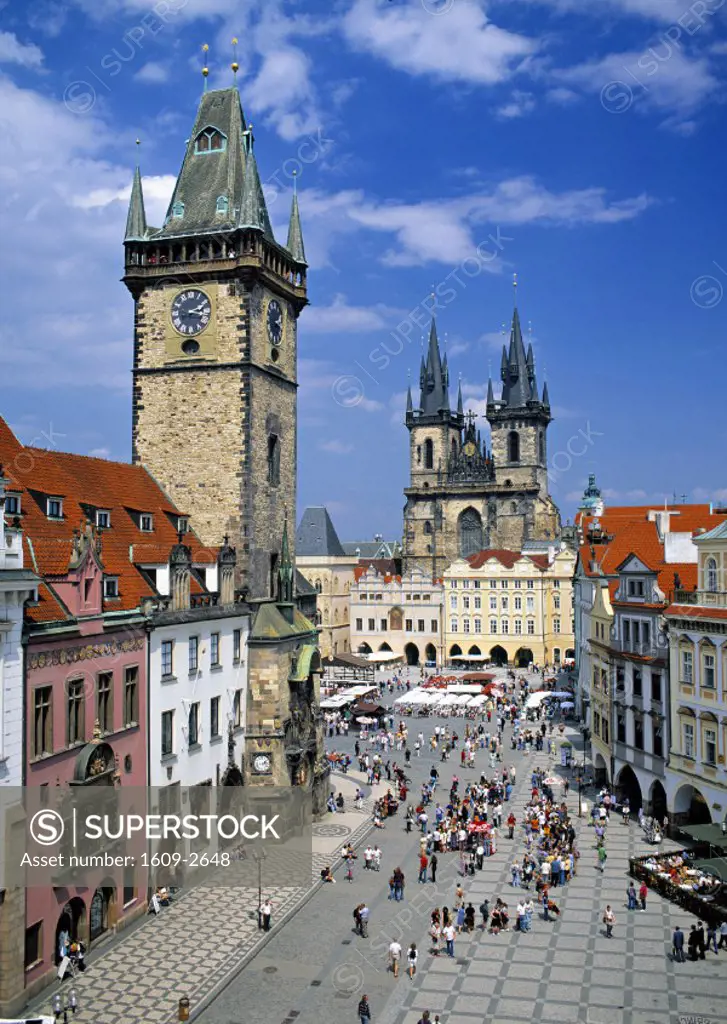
(212,256)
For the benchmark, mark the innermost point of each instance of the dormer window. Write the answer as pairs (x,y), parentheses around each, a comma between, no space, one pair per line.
(223,204)
(55,508)
(146,523)
(182,524)
(110,587)
(178,210)
(103,519)
(12,504)
(210,140)
(635,588)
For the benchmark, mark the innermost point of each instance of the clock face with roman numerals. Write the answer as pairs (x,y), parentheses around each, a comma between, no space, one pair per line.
(191,312)
(275,322)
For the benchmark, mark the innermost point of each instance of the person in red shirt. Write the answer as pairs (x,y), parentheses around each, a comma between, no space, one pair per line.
(643,890)
(511,823)
(423,865)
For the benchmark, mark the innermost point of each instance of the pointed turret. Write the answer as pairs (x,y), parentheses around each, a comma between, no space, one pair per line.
(285,572)
(434,395)
(490,392)
(136,218)
(503,364)
(460,403)
(409,403)
(253,208)
(530,359)
(294,245)
(546,396)
(518,370)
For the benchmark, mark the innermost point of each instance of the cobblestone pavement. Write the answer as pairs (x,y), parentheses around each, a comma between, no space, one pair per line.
(315,970)
(194,945)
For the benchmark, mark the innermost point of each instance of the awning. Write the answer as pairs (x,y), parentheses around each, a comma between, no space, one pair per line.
(716,866)
(384,656)
(470,657)
(711,834)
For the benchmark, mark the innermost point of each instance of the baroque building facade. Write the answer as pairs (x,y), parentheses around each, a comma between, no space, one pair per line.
(464,497)
(401,614)
(214,419)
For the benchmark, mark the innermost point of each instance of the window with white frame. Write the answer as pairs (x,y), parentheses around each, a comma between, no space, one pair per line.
(167,658)
(504,626)
(54,508)
(556,625)
(478,602)
(711,574)
(556,584)
(710,744)
(493,625)
(503,584)
(493,584)
(504,602)
(688,739)
(531,584)
(687,667)
(453,625)
(518,625)
(478,625)
(556,602)
(465,584)
(110,587)
(466,625)
(530,605)
(465,602)
(103,518)
(531,627)
(708,670)
(517,584)
(146,522)
(453,584)
(493,603)
(453,602)
(12,504)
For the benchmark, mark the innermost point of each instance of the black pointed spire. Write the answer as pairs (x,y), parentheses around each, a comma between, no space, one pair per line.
(294,245)
(285,572)
(136,217)
(518,369)
(546,397)
(460,403)
(490,392)
(435,393)
(409,403)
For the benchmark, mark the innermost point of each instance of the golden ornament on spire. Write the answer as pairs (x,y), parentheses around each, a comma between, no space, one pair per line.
(235,66)
(205,68)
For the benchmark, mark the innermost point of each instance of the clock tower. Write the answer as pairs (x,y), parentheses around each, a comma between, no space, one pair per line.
(217,300)
(216,304)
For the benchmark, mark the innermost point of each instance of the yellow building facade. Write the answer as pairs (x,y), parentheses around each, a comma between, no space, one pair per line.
(510,607)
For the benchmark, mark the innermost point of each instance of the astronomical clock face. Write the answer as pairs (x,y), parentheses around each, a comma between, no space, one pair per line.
(274,321)
(261,763)
(470,448)
(191,312)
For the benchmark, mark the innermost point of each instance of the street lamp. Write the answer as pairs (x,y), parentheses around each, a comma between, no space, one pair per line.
(62,1004)
(258,856)
(586,736)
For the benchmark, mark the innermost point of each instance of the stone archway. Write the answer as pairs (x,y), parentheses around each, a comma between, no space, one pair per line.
(600,769)
(474,649)
(498,655)
(71,922)
(411,651)
(101,911)
(657,801)
(385,647)
(690,807)
(628,786)
(455,650)
(523,657)
(430,653)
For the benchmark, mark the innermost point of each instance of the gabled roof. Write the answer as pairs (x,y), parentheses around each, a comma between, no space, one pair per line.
(316,535)
(506,558)
(86,483)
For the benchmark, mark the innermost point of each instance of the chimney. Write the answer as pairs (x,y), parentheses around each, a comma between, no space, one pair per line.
(226,563)
(180,576)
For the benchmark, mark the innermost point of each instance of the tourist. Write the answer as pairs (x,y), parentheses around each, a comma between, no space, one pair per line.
(677,945)
(364,1010)
(433,862)
(643,891)
(266,913)
(449,934)
(411,957)
(394,956)
(723,935)
(631,897)
(609,919)
(701,941)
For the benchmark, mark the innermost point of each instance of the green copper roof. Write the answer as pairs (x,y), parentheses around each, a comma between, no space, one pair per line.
(253,208)
(206,176)
(294,245)
(270,624)
(136,228)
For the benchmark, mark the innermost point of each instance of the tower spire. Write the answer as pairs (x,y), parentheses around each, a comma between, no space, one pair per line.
(460,403)
(205,68)
(294,245)
(253,209)
(136,218)
(285,572)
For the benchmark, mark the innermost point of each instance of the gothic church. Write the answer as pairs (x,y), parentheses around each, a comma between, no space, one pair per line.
(462,496)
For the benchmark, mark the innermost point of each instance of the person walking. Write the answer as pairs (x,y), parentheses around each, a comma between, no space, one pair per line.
(411,958)
(364,1010)
(449,934)
(677,945)
(266,913)
(394,956)
(693,943)
(363,916)
(609,919)
(485,912)
(433,862)
(701,941)
(631,897)
(643,892)
(601,856)
(423,865)
(712,936)
(398,884)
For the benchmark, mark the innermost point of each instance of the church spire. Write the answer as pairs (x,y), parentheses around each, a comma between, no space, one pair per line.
(285,572)
(136,217)
(294,245)
(460,403)
(546,396)
(434,390)
(518,370)
(490,393)
(253,209)
(409,403)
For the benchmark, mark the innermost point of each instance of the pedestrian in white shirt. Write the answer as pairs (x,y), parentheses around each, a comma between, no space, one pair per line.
(395,957)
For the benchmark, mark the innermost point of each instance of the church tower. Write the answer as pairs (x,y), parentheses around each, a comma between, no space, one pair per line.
(216,303)
(519,419)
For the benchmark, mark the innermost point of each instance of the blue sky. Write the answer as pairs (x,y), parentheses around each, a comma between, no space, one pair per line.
(576,144)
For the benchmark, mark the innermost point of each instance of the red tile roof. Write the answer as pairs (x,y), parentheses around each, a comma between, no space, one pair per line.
(692,611)
(85,484)
(506,558)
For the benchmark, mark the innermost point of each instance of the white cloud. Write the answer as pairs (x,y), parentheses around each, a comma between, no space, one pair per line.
(336,447)
(12,51)
(157,191)
(152,72)
(100,453)
(340,317)
(654,10)
(562,96)
(661,78)
(461,46)
(519,104)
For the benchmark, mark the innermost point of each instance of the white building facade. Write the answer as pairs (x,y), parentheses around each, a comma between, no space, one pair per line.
(401,614)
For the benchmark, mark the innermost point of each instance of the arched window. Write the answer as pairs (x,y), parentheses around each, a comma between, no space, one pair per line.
(711,574)
(541,447)
(210,140)
(429,453)
(273,460)
(454,448)
(319,619)
(222,204)
(513,446)
(318,586)
(470,532)
(427,527)
(419,455)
